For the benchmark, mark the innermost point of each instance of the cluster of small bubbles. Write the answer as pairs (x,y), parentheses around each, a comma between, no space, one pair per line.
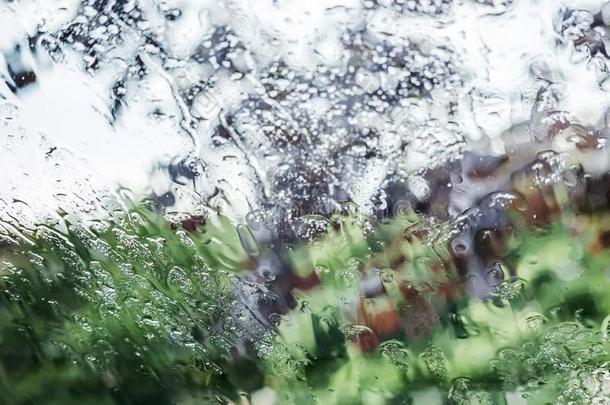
(511,289)
(176,278)
(397,354)
(435,362)
(463,392)
(319,116)
(221,49)
(501,200)
(591,386)
(99,28)
(430,7)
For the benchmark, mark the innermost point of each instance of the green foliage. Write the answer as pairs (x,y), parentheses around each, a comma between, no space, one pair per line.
(534,340)
(123,311)
(133,310)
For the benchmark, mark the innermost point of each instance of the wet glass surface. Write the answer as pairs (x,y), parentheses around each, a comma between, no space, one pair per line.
(275,202)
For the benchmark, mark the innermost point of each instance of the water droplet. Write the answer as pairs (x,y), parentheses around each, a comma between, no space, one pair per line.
(247,240)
